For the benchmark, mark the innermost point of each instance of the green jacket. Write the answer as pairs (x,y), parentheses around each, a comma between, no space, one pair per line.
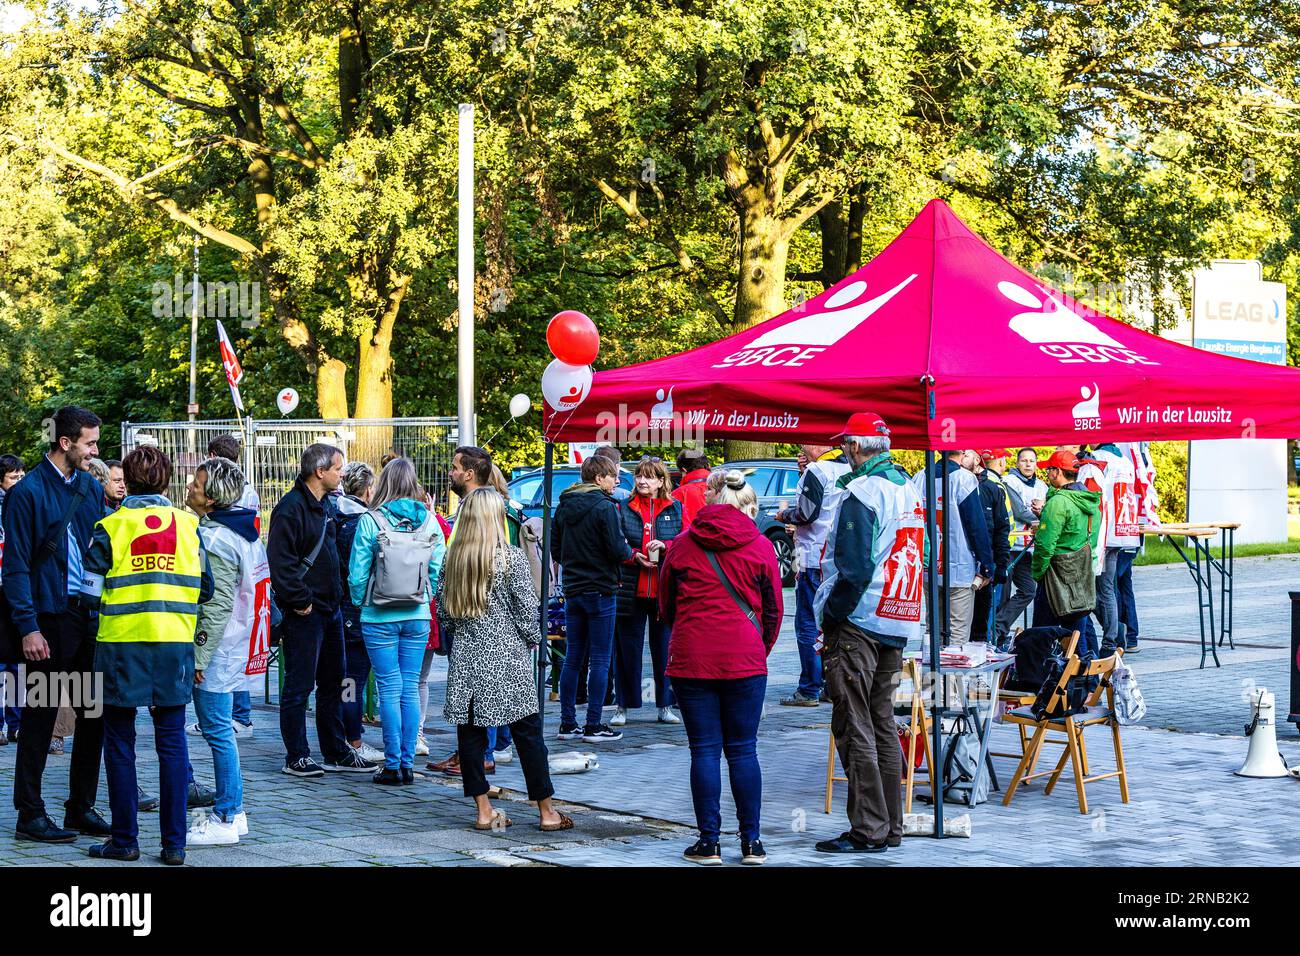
(1069,519)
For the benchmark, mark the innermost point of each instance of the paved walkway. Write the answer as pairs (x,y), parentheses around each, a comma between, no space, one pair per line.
(1186,807)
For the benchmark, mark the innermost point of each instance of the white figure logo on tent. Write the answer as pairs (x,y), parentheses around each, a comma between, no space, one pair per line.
(1089,409)
(663,410)
(1054,323)
(841,314)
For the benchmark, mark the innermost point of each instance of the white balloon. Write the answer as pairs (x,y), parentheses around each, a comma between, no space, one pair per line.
(287,400)
(565,386)
(520,405)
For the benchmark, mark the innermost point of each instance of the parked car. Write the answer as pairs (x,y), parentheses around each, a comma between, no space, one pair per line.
(526,489)
(774,480)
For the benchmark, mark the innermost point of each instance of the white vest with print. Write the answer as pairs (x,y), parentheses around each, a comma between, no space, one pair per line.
(961,560)
(240,661)
(809,539)
(892,602)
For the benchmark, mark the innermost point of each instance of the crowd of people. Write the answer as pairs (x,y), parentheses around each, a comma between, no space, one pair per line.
(361,575)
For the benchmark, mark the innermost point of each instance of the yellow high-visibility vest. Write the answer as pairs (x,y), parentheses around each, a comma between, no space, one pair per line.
(151,590)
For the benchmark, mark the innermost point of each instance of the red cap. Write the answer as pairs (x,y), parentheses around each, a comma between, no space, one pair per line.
(988,454)
(864,423)
(1065,460)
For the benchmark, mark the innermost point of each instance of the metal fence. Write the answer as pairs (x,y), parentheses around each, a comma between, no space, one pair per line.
(272,449)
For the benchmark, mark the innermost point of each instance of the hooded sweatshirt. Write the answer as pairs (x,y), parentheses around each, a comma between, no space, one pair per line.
(404,514)
(711,636)
(588,541)
(1070,517)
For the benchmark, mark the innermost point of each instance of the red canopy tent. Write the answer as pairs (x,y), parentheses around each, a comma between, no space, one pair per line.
(1012,362)
(953,346)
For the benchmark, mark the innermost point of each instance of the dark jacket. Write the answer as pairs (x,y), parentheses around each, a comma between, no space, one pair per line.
(993,495)
(588,541)
(711,636)
(640,526)
(32,509)
(144,674)
(348,511)
(296,525)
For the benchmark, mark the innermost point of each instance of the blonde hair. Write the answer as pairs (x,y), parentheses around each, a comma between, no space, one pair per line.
(396,481)
(498,481)
(471,556)
(729,487)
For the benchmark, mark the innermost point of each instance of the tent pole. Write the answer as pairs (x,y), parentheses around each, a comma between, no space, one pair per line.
(932,621)
(946,622)
(544,650)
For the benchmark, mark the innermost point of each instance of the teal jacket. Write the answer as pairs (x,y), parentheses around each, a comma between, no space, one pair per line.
(363,555)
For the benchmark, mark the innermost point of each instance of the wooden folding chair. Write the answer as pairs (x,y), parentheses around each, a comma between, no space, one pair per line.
(1072,726)
(919,725)
(1023,698)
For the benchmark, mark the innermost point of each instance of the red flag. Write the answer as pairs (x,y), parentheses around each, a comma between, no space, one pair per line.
(230,362)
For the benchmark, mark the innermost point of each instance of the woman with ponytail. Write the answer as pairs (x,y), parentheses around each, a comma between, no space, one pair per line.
(720,592)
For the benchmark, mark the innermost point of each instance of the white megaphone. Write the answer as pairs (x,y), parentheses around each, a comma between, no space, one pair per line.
(1262,759)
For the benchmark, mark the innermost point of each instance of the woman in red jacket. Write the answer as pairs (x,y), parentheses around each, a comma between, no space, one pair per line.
(650,520)
(720,592)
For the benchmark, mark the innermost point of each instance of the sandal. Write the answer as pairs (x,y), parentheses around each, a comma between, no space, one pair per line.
(496,823)
(566,823)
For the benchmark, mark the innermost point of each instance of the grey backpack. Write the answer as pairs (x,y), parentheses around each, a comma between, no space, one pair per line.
(399,576)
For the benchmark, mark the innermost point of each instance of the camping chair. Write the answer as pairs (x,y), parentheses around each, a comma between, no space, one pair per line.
(1072,726)
(1025,698)
(919,726)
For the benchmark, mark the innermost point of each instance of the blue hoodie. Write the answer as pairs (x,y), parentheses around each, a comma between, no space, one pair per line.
(363,554)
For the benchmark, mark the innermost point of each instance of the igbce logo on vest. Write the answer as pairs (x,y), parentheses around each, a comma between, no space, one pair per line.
(155,550)
(900,597)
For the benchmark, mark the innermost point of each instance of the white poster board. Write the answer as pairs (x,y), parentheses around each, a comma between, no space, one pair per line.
(580,451)
(1235,313)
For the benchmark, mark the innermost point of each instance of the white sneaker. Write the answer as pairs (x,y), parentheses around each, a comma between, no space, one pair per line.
(193,729)
(619,718)
(666,716)
(504,756)
(369,753)
(242,731)
(421,748)
(241,823)
(212,831)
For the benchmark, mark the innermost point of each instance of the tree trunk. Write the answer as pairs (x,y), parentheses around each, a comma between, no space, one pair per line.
(332,388)
(853,238)
(835,234)
(760,291)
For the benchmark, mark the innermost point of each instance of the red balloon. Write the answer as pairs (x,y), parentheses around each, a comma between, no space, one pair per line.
(573,338)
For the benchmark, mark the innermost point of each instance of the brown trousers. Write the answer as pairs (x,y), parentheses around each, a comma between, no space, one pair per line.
(861,677)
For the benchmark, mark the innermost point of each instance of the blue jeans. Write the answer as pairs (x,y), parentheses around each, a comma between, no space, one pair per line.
(213,711)
(396,652)
(589,629)
(311,653)
(119,767)
(499,737)
(357,669)
(806,631)
(721,716)
(630,638)
(241,708)
(1107,605)
(1128,613)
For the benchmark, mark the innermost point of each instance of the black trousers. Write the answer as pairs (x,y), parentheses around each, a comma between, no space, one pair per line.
(471,742)
(72,653)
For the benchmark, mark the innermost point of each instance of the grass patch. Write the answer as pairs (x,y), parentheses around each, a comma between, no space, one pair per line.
(1161,552)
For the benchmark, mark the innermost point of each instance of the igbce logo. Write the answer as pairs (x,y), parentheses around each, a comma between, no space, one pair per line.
(1062,333)
(155,550)
(802,340)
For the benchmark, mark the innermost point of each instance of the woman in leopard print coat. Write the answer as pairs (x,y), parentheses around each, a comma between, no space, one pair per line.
(488,612)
